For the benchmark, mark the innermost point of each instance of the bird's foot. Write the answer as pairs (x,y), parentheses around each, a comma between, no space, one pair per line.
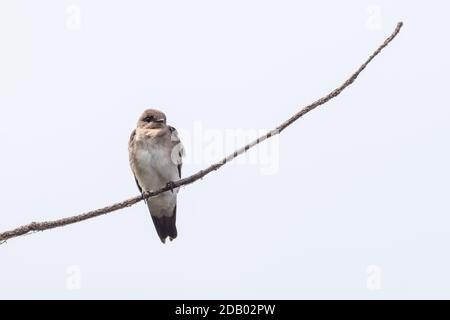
(144,194)
(171,185)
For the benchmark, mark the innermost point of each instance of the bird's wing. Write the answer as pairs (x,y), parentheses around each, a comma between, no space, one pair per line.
(131,155)
(180,148)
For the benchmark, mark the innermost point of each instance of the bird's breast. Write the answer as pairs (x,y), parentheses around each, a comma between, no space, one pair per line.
(154,166)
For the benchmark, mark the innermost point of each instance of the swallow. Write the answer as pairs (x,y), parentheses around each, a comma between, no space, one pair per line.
(155,154)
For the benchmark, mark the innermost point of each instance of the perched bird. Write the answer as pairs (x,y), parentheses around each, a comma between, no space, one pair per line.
(155,153)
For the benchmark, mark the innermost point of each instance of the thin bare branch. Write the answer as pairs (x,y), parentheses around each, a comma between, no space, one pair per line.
(46,225)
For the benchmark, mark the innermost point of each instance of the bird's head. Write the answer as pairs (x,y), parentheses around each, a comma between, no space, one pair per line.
(152,119)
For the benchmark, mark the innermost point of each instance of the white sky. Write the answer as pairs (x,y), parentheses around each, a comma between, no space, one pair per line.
(357,206)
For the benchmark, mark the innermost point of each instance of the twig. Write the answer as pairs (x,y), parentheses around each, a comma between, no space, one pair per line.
(46,225)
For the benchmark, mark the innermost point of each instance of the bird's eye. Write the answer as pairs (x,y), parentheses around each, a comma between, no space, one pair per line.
(148,119)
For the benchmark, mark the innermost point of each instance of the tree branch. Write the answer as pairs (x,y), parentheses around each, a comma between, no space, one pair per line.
(46,225)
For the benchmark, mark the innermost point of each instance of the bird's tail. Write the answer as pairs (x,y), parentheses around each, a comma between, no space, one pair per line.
(166,226)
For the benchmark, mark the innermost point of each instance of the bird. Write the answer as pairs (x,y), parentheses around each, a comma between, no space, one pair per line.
(155,154)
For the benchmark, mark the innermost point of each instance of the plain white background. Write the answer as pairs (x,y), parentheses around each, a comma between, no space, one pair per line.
(357,208)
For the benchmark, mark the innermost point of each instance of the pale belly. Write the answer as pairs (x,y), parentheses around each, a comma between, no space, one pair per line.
(155,168)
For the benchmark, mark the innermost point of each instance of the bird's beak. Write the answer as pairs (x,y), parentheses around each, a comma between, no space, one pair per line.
(159,123)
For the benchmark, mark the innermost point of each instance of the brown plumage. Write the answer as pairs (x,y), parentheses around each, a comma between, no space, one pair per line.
(155,152)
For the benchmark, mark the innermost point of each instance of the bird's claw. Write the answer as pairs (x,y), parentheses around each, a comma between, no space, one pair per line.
(143,194)
(171,185)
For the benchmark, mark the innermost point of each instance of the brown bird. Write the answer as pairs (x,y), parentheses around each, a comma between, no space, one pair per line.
(155,153)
